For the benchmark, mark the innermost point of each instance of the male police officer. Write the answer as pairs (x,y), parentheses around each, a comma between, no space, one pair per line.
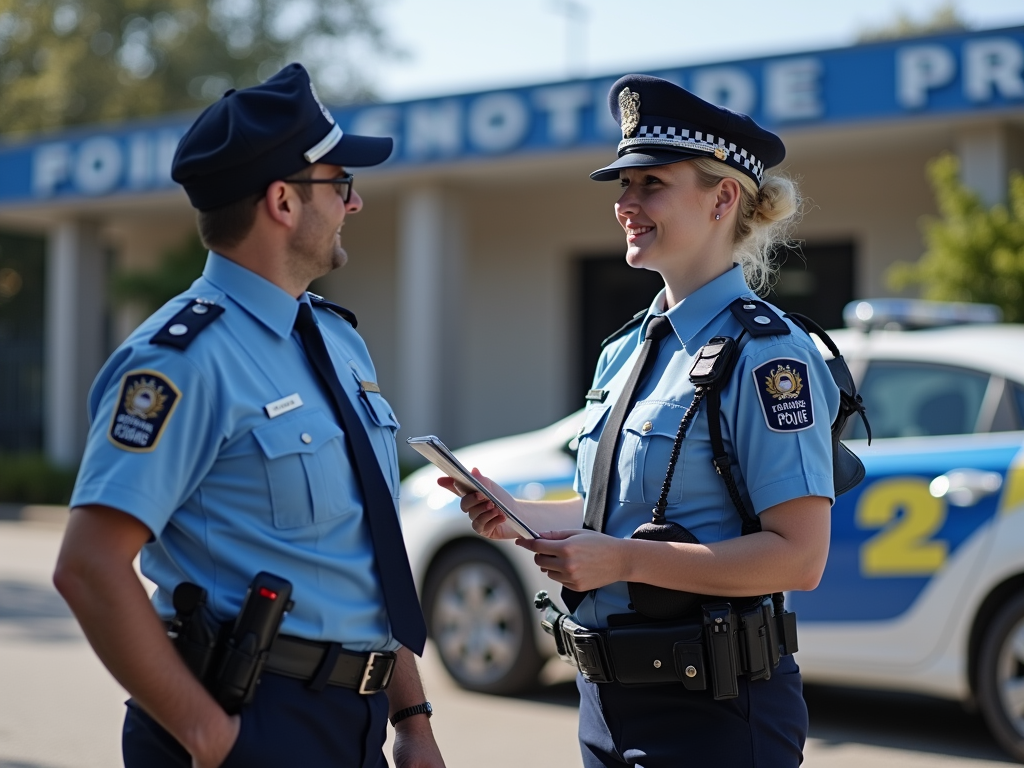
(238,430)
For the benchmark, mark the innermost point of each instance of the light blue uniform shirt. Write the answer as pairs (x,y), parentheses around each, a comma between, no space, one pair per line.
(769,466)
(228,491)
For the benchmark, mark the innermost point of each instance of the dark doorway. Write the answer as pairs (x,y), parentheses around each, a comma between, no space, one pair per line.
(21,342)
(611,292)
(816,280)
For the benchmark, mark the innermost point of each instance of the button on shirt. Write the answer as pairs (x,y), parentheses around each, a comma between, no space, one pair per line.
(226,489)
(769,466)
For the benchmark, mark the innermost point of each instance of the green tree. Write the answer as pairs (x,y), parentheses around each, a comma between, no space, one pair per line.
(945,18)
(974,252)
(65,62)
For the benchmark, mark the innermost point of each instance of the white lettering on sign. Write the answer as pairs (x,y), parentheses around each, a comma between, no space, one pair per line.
(51,165)
(728,87)
(792,89)
(920,69)
(140,161)
(377,121)
(498,122)
(434,128)
(98,165)
(563,104)
(166,146)
(993,66)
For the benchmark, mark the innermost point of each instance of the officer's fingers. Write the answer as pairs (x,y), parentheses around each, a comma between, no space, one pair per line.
(558,535)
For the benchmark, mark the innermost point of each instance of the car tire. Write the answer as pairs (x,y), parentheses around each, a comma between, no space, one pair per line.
(1001,677)
(480,621)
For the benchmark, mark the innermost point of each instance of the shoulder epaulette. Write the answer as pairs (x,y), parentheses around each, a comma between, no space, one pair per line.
(633,323)
(182,329)
(758,319)
(320,301)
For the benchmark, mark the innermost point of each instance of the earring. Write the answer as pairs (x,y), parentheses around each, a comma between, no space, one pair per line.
(718,216)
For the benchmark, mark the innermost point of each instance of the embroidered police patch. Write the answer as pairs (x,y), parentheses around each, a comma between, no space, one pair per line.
(784,387)
(144,406)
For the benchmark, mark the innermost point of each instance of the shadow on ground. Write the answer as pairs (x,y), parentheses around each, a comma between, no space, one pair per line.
(851,716)
(36,612)
(21,764)
(900,721)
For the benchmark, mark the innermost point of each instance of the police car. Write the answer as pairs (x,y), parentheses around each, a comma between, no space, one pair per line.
(924,587)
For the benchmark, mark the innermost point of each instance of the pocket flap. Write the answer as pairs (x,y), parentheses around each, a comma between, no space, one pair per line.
(303,432)
(654,418)
(593,416)
(380,410)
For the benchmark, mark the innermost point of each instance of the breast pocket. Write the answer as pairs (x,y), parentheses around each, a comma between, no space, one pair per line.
(383,438)
(648,434)
(307,470)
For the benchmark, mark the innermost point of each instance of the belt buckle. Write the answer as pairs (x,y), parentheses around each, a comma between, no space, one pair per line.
(370,666)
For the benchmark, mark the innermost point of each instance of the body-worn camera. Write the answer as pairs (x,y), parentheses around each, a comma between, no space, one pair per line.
(227,658)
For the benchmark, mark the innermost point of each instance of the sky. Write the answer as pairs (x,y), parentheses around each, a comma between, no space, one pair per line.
(457,46)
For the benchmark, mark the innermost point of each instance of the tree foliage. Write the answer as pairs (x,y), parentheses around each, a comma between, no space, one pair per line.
(945,18)
(974,252)
(65,62)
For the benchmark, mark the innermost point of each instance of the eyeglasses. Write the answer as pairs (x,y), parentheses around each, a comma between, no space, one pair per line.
(342,184)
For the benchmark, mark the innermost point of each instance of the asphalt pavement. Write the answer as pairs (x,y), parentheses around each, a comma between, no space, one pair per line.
(60,709)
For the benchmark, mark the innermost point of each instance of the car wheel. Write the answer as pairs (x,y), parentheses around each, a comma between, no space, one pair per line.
(1001,677)
(480,621)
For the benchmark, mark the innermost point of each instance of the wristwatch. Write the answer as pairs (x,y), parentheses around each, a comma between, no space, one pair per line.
(419,709)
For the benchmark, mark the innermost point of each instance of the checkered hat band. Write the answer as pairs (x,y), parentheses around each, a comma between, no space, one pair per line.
(680,138)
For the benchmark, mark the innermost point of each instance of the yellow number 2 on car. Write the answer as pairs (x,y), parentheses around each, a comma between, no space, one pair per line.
(909,516)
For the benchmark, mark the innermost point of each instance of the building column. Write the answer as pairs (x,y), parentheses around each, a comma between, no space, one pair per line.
(987,154)
(75,334)
(430,259)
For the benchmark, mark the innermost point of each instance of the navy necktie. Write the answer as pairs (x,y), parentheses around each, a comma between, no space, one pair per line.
(607,447)
(393,569)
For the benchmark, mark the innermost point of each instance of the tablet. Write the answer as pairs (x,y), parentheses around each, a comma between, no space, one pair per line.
(437,453)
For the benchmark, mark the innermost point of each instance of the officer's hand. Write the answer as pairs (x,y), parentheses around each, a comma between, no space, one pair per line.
(415,746)
(218,744)
(580,560)
(487,519)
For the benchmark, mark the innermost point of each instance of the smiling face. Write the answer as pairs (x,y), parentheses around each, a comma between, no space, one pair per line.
(315,248)
(670,225)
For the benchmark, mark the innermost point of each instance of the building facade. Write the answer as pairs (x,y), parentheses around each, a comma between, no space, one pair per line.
(486,266)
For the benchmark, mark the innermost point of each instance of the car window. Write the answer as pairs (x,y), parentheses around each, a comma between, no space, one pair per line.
(917,399)
(1018,396)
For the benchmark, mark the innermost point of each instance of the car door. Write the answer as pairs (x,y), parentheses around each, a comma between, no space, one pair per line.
(907,540)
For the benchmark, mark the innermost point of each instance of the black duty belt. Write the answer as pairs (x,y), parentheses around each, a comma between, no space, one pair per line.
(328,664)
(726,641)
(321,664)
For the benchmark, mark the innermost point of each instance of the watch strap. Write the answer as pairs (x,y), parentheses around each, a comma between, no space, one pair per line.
(419,709)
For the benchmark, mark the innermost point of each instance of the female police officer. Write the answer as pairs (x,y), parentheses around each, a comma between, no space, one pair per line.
(697,208)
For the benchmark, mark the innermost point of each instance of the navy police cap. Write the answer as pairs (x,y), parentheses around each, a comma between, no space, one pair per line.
(255,136)
(663,123)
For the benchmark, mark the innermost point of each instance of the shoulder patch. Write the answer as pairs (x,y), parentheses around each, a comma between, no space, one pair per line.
(633,323)
(346,314)
(784,389)
(145,403)
(758,318)
(182,329)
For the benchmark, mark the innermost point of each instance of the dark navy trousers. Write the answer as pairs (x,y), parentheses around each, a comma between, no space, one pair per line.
(286,725)
(667,726)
